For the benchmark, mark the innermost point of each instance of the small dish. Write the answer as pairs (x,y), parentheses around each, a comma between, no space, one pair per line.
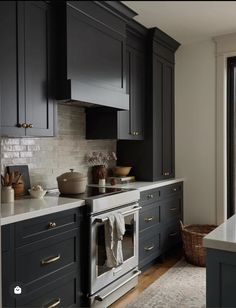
(37,194)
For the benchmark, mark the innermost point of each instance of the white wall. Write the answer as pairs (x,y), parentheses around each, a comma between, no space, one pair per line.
(195,130)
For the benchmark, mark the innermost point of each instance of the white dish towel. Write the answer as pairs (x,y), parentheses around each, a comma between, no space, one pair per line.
(114,231)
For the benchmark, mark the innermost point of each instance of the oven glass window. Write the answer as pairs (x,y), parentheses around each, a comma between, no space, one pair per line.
(127,244)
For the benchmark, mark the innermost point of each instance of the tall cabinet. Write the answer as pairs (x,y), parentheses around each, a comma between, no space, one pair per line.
(154,158)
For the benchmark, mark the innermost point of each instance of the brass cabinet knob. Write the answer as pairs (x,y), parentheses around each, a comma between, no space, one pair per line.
(166,173)
(150,196)
(148,219)
(52,225)
(30,125)
(22,125)
(137,133)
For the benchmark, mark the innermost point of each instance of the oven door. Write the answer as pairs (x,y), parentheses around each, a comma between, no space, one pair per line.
(100,274)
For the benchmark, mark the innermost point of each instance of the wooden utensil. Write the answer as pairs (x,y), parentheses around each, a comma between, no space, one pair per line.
(6,179)
(17,179)
(2,180)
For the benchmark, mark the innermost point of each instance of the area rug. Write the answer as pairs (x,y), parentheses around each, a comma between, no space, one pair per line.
(182,286)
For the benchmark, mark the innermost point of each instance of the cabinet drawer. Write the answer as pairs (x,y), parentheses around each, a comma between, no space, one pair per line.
(149,216)
(149,245)
(63,291)
(44,257)
(149,196)
(170,190)
(40,228)
(171,236)
(171,209)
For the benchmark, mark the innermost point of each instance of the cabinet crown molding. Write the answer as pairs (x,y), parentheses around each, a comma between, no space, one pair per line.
(164,39)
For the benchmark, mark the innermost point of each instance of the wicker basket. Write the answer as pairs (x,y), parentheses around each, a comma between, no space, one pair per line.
(192,236)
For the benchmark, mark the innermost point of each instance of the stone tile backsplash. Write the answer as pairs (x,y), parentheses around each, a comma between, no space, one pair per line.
(49,157)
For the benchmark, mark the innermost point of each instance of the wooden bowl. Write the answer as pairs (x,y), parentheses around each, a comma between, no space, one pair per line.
(121,170)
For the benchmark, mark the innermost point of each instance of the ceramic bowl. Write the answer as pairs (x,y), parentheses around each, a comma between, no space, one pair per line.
(37,194)
(121,171)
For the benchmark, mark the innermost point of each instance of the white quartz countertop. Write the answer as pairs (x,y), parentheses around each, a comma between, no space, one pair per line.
(142,186)
(223,237)
(30,208)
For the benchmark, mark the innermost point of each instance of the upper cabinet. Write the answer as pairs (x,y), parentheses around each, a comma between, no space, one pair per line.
(154,158)
(125,125)
(91,41)
(27,107)
(131,123)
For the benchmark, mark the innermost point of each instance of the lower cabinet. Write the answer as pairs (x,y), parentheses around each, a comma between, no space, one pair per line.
(220,278)
(41,257)
(60,293)
(159,227)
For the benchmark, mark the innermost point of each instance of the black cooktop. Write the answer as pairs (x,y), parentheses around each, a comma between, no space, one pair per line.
(93,191)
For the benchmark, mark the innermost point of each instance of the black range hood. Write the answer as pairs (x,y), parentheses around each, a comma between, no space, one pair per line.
(91,53)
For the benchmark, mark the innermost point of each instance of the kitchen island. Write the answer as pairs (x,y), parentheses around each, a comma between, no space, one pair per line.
(221,265)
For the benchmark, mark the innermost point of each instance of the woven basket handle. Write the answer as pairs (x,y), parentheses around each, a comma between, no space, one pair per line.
(181,224)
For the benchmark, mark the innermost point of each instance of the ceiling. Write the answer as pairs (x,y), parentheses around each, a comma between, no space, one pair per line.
(187,21)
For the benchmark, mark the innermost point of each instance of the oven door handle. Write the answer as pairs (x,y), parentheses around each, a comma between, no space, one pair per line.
(134,209)
(101,298)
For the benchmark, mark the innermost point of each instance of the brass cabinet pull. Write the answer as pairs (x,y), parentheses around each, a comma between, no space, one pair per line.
(166,173)
(174,189)
(52,225)
(50,260)
(150,196)
(173,234)
(147,219)
(149,248)
(173,209)
(53,304)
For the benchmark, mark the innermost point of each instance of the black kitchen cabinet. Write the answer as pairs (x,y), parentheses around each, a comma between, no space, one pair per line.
(41,255)
(154,158)
(163,110)
(125,125)
(91,62)
(159,222)
(27,107)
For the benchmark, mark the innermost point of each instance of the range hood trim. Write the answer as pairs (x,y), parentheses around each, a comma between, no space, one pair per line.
(77,91)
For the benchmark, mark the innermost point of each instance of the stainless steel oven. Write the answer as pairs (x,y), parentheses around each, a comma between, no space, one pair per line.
(100,274)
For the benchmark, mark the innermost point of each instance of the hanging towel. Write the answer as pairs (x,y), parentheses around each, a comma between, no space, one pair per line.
(114,231)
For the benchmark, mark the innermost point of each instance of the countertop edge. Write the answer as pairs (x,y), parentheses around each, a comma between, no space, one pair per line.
(41,212)
(219,245)
(161,184)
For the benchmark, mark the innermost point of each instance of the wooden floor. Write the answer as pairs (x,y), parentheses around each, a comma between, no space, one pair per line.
(147,278)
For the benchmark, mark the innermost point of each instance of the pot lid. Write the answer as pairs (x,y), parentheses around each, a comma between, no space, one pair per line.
(71,176)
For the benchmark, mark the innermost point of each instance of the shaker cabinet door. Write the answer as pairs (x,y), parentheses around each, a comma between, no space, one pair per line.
(163,109)
(131,123)
(39,105)
(11,96)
